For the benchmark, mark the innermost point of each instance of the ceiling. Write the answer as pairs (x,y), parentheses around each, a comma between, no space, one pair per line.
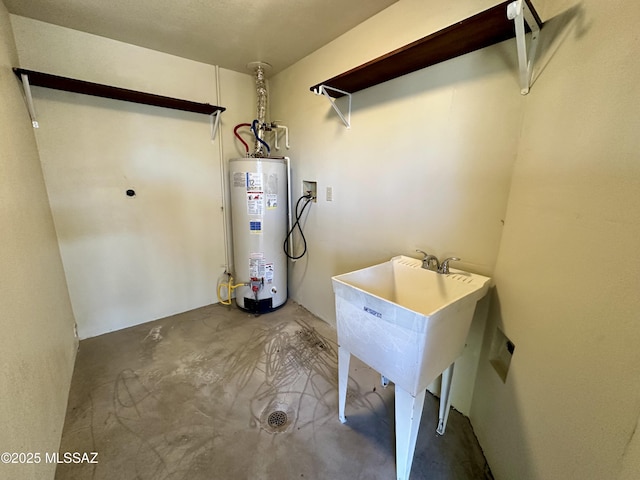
(228,33)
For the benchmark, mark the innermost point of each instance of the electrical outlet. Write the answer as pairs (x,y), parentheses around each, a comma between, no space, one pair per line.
(329,194)
(309,186)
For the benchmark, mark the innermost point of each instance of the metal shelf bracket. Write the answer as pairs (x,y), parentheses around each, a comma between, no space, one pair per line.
(214,121)
(519,12)
(322,90)
(27,93)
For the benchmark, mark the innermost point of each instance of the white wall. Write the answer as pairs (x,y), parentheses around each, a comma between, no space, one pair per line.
(131,260)
(37,345)
(426,165)
(568,270)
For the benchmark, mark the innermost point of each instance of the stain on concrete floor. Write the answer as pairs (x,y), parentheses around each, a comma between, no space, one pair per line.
(217,393)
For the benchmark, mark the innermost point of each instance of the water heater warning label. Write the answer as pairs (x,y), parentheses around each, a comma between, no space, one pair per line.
(260,268)
(250,180)
(239,179)
(268,272)
(255,203)
(256,267)
(254,182)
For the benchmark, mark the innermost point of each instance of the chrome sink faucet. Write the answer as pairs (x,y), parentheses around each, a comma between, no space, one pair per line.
(444,266)
(431,262)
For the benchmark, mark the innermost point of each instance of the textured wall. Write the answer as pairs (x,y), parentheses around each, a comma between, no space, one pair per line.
(568,271)
(131,260)
(37,345)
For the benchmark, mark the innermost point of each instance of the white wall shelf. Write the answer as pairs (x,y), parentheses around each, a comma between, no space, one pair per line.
(478,31)
(30,77)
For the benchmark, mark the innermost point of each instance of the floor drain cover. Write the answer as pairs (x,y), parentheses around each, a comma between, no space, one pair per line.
(277,419)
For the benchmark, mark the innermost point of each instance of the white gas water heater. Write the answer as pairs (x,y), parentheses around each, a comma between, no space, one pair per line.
(259,219)
(259,192)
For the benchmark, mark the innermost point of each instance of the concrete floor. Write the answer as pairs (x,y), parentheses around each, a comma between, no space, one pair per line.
(217,393)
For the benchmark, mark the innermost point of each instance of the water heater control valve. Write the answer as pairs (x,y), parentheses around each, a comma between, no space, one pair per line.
(256,284)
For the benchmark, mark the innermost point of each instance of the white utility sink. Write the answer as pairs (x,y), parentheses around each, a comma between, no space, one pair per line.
(410,324)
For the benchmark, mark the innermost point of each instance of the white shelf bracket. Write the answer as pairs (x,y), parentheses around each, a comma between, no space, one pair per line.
(27,94)
(519,12)
(322,90)
(215,123)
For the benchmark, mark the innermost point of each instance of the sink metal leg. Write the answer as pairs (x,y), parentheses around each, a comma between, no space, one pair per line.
(408,414)
(445,400)
(344,357)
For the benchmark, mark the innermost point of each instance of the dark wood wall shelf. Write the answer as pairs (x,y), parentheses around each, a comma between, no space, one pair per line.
(88,88)
(479,31)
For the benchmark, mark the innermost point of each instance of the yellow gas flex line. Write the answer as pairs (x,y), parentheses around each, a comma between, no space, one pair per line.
(230,289)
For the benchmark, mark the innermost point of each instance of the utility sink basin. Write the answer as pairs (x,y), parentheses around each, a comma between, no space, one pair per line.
(410,324)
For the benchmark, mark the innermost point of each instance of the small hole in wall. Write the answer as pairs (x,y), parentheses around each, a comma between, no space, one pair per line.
(131,193)
(501,352)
